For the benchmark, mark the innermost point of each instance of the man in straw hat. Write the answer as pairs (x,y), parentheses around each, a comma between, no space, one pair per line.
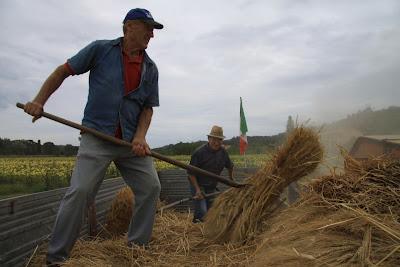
(211,157)
(123,89)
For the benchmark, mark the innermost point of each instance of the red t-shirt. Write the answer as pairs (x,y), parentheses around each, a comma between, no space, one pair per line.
(132,74)
(132,71)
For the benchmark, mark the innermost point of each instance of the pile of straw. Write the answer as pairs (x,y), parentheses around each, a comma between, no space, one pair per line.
(238,213)
(373,186)
(120,213)
(350,219)
(176,242)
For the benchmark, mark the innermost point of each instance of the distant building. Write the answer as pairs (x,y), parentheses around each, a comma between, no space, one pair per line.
(372,146)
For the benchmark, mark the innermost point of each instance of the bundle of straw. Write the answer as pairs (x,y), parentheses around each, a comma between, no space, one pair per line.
(120,213)
(237,214)
(350,219)
(176,242)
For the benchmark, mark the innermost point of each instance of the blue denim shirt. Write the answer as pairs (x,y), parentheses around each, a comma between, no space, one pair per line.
(107,105)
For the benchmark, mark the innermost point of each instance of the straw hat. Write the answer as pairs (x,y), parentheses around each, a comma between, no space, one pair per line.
(216,132)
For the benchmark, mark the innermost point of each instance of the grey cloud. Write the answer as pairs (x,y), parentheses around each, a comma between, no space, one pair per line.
(314,59)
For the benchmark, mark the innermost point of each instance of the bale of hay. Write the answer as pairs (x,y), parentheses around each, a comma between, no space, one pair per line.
(350,219)
(238,213)
(120,213)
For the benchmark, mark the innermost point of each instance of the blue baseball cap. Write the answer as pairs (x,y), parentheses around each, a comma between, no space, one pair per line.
(143,15)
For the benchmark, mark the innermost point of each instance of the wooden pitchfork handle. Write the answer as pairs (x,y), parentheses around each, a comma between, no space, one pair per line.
(125,143)
(173,204)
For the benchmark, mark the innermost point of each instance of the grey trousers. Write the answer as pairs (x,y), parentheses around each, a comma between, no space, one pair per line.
(94,156)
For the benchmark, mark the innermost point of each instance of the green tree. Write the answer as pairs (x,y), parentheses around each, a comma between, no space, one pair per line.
(49,148)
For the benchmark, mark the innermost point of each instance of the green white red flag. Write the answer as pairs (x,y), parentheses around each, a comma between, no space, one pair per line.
(243,130)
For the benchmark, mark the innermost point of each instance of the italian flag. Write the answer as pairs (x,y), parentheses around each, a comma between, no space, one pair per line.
(243,130)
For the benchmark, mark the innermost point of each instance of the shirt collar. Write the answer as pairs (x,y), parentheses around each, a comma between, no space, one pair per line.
(135,59)
(210,149)
(118,42)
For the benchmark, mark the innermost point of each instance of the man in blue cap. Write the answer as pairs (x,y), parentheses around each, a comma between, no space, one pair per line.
(123,89)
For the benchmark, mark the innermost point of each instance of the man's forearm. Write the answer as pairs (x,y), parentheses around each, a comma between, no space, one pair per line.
(144,122)
(139,144)
(51,84)
(194,182)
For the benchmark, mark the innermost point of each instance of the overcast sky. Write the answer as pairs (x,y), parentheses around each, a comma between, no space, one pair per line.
(318,60)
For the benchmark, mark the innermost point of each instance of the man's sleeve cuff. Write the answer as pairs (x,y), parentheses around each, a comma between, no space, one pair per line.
(70,70)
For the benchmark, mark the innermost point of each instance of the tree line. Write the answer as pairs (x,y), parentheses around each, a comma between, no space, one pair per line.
(367,122)
(30,147)
(370,122)
(257,145)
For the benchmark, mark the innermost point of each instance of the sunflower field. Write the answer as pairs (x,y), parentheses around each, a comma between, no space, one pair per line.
(24,175)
